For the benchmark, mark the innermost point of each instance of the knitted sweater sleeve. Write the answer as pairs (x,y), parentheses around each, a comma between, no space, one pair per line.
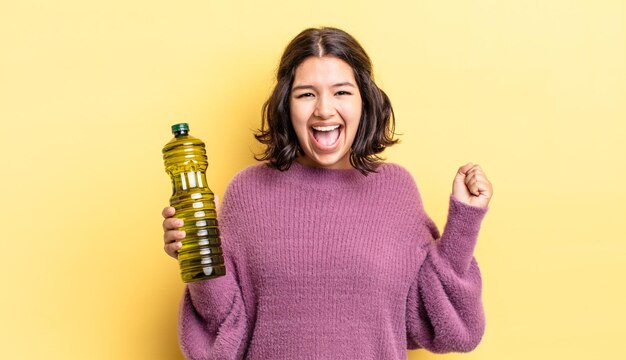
(212,316)
(444,306)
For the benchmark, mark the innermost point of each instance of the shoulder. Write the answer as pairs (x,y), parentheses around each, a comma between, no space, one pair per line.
(249,177)
(243,188)
(251,173)
(395,173)
(393,169)
(401,181)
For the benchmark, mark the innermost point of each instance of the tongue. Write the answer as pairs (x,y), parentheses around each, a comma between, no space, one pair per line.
(326,138)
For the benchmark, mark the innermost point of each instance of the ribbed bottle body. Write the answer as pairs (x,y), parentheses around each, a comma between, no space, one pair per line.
(200,256)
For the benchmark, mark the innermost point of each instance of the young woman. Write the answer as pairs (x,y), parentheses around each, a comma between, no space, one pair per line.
(328,250)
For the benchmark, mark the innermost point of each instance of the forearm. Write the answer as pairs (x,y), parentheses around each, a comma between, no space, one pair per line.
(445,311)
(212,318)
(460,235)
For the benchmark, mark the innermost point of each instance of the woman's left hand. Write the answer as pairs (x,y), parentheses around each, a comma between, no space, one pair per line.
(471,186)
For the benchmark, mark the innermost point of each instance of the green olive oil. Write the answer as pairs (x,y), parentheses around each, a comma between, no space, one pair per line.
(186,163)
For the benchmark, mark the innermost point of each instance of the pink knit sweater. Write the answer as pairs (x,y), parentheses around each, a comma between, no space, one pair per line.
(332,264)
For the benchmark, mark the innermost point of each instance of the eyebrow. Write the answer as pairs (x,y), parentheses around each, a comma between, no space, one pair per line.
(299,87)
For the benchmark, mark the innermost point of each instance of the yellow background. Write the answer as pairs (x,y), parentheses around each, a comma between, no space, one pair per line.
(534,91)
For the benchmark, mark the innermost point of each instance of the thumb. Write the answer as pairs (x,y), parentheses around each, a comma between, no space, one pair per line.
(459,189)
(462,173)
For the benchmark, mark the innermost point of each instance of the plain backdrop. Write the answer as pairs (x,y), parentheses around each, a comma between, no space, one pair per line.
(534,91)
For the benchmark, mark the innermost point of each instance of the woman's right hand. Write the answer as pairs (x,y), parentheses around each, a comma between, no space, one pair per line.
(171,235)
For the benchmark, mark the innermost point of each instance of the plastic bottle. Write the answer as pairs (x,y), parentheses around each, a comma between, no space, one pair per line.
(185,159)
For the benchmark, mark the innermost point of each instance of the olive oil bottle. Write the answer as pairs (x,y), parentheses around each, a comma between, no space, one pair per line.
(185,159)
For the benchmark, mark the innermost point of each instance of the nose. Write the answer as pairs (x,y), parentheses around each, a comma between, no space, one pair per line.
(324,108)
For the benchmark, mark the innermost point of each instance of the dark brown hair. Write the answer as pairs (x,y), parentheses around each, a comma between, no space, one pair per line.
(376,126)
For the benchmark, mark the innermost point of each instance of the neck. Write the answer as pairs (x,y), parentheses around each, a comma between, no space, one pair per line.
(343,164)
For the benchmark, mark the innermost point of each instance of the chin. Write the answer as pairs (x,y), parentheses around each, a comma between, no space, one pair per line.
(331,162)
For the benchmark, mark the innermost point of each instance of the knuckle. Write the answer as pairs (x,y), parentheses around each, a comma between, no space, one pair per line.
(170,236)
(168,212)
(170,223)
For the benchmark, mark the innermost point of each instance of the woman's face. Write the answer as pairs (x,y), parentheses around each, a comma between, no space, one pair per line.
(325,106)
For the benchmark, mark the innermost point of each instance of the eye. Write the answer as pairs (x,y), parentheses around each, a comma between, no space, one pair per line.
(304,95)
(342,92)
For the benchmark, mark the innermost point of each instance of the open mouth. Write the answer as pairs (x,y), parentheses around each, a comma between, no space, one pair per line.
(326,137)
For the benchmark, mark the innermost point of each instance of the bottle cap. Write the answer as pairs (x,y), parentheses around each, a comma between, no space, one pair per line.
(176,128)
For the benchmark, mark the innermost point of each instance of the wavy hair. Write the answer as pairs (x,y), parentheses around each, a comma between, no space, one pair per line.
(376,127)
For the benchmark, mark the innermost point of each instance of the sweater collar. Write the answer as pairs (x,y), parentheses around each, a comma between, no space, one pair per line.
(323,177)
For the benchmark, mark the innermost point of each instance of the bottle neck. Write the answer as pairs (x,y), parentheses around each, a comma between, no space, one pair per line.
(181,133)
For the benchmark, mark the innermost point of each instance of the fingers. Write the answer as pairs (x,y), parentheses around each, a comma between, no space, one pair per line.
(172,249)
(477,182)
(171,240)
(172,223)
(168,211)
(471,186)
(474,188)
(472,178)
(465,168)
(171,234)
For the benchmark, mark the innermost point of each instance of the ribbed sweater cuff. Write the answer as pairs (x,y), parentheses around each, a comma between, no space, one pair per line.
(461,233)
(213,297)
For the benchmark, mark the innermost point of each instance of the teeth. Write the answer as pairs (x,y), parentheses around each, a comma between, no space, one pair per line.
(325,128)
